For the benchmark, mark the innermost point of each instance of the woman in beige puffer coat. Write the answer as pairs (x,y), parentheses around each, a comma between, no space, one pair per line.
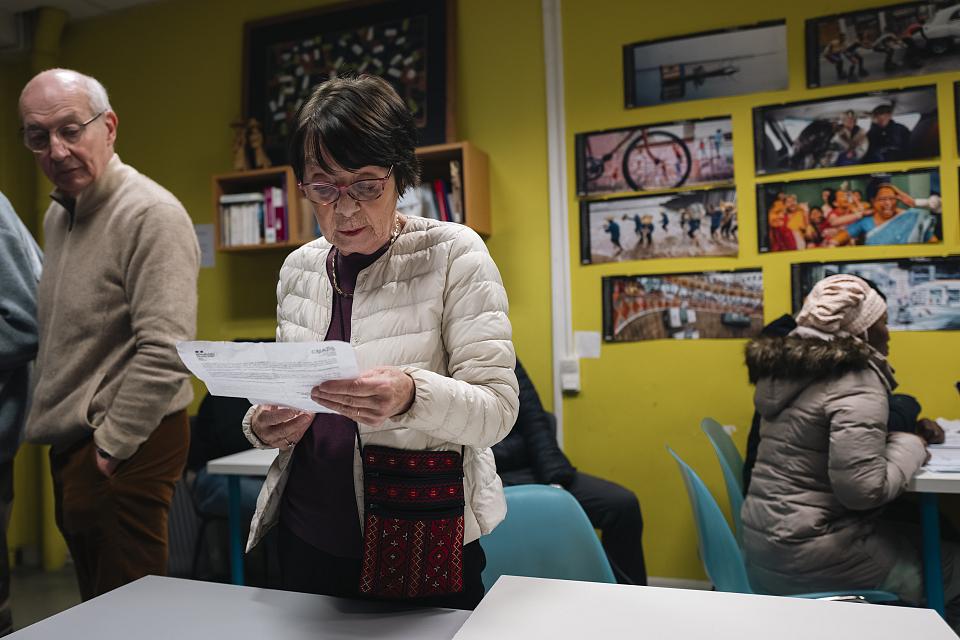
(826,463)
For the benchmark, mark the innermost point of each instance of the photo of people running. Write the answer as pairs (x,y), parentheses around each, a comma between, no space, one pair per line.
(878,209)
(684,306)
(885,126)
(884,42)
(923,294)
(672,225)
(655,157)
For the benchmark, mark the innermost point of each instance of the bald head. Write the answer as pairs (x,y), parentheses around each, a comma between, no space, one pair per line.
(70,127)
(72,81)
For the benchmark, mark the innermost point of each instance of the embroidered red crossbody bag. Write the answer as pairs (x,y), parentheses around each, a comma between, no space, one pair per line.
(413,522)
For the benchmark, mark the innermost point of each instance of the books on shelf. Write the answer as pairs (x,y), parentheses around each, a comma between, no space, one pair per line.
(254,217)
(439,198)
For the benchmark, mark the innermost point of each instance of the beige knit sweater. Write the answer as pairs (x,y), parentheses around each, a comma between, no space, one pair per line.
(118,291)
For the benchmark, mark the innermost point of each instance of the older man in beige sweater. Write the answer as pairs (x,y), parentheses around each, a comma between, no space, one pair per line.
(117,293)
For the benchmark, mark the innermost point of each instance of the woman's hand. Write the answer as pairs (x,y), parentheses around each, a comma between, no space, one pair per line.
(372,398)
(280,427)
(930,431)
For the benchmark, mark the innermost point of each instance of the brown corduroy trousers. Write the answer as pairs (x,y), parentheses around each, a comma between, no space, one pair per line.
(116,527)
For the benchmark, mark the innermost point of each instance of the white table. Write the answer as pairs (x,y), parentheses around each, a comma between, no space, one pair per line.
(155,608)
(539,608)
(928,484)
(253,462)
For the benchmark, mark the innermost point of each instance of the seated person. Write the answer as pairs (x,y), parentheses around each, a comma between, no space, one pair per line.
(904,411)
(216,433)
(530,455)
(826,460)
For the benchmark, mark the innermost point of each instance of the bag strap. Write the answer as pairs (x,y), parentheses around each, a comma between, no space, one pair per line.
(356,429)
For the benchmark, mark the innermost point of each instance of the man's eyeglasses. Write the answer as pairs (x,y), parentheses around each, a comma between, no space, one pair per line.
(361,190)
(38,140)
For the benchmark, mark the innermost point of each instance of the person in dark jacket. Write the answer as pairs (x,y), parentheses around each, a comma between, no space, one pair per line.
(530,455)
(888,139)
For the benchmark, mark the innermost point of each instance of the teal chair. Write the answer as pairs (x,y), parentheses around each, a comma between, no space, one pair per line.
(721,555)
(732,466)
(546,534)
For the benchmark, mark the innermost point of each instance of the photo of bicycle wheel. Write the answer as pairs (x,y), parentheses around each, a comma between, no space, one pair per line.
(655,157)
(656,160)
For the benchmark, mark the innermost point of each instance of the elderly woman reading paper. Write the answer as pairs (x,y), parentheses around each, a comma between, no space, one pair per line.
(387,497)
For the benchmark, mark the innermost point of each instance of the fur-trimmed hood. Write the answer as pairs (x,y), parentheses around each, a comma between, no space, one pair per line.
(804,358)
(782,367)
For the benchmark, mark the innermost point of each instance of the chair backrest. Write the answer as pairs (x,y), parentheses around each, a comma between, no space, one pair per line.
(731,464)
(719,551)
(546,534)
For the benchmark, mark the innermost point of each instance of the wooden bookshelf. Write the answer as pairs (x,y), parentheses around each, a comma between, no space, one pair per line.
(475,178)
(298,231)
(434,161)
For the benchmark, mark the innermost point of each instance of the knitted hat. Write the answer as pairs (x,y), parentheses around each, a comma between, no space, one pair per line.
(842,304)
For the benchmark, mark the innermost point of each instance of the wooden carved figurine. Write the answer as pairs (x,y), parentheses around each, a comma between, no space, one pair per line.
(240,162)
(255,140)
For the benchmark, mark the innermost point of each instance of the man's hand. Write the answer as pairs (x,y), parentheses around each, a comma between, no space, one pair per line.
(105,465)
(372,398)
(930,431)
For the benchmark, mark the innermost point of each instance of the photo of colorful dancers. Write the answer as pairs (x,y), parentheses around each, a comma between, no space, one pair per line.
(655,157)
(923,294)
(911,39)
(683,306)
(876,209)
(886,126)
(671,225)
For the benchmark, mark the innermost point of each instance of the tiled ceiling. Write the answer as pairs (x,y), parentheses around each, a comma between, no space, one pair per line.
(77,9)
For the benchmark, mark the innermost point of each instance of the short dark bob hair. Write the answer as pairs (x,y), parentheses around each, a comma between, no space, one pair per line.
(351,123)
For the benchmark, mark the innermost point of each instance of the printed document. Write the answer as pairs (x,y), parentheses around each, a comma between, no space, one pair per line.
(946,457)
(280,373)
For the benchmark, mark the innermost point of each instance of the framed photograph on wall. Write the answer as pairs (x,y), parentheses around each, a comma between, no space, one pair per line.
(669,225)
(685,306)
(866,128)
(923,294)
(909,39)
(710,64)
(956,112)
(655,156)
(408,43)
(869,209)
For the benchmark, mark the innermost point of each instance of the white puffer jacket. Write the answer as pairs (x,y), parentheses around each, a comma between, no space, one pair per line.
(435,306)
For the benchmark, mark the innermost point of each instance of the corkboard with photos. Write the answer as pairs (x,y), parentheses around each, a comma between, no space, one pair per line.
(841,169)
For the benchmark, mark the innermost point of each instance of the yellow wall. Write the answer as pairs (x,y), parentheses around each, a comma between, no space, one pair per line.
(639,397)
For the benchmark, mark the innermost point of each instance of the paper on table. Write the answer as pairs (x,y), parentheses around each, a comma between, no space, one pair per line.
(951,433)
(269,372)
(946,457)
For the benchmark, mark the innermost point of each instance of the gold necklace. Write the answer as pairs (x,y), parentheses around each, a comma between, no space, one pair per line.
(336,254)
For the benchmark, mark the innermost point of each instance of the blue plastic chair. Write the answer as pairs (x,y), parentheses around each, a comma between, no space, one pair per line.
(546,534)
(731,464)
(721,555)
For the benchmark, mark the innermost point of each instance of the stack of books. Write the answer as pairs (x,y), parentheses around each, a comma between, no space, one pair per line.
(440,198)
(254,217)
